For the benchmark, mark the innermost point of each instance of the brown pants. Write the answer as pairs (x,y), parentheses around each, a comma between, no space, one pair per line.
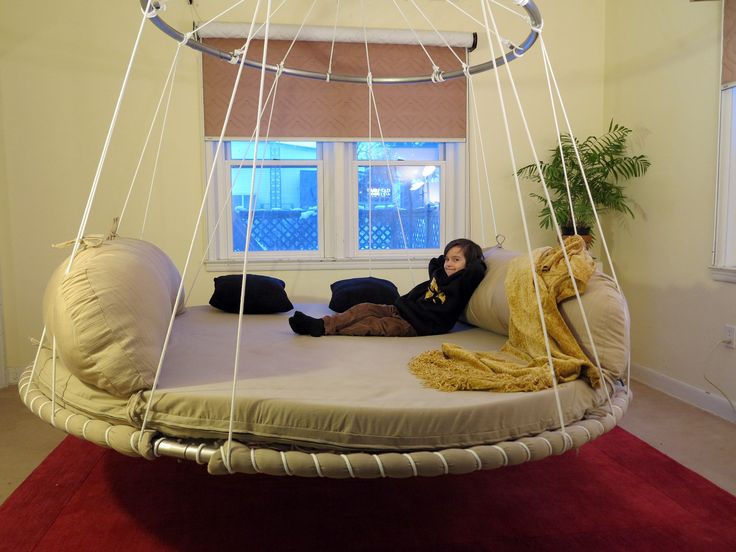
(369,319)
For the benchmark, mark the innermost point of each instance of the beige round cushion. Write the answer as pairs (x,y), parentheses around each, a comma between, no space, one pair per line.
(488,307)
(110,314)
(605,308)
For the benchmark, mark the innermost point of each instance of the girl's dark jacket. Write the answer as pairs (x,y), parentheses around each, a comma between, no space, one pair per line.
(433,307)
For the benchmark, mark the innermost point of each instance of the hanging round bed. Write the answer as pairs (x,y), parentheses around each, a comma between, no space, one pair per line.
(125,364)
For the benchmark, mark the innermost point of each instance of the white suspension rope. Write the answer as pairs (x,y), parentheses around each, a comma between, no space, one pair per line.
(196,232)
(148,136)
(480,148)
(53,382)
(390,173)
(228,199)
(373,108)
(435,67)
(35,363)
(488,13)
(98,172)
(218,16)
(547,69)
(513,12)
(585,179)
(476,145)
(249,228)
(461,10)
(298,32)
(257,30)
(596,359)
(272,91)
(438,33)
(478,22)
(590,198)
(161,136)
(369,82)
(272,98)
(334,35)
(108,139)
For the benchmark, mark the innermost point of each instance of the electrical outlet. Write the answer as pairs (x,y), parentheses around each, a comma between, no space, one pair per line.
(731,336)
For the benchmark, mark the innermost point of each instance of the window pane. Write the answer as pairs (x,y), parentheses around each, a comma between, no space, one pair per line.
(285,215)
(273,150)
(401,208)
(398,151)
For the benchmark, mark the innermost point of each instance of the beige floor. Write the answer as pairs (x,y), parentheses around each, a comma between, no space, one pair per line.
(700,441)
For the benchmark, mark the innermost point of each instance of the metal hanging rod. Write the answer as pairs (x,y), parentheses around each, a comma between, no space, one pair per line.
(516,51)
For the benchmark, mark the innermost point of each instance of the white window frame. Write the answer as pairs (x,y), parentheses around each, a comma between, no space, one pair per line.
(724,242)
(337,182)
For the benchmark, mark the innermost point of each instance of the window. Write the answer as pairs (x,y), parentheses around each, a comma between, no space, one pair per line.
(724,262)
(313,203)
(285,200)
(399,195)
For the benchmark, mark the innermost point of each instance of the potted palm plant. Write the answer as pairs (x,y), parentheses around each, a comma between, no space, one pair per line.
(606,166)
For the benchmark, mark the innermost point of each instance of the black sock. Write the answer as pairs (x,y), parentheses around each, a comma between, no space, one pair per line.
(307,325)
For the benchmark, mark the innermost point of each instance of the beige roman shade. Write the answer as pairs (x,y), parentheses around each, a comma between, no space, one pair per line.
(307,108)
(728,70)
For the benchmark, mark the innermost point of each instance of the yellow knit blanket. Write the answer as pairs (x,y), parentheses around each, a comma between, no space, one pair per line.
(522,363)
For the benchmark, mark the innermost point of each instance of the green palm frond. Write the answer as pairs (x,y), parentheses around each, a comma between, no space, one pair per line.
(605,166)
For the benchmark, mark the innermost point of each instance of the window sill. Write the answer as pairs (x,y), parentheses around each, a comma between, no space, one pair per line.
(723,273)
(271,265)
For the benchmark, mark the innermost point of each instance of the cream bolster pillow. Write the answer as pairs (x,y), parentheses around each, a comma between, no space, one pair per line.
(110,314)
(605,308)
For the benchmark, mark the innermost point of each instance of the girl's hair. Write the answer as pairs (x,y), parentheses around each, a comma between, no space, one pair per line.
(471,250)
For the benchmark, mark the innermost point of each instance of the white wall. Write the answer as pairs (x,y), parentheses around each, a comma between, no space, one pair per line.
(662,79)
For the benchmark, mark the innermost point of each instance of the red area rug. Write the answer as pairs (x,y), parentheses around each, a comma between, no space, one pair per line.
(617,493)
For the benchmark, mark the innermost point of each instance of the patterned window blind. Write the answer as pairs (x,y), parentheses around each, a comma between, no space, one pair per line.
(307,108)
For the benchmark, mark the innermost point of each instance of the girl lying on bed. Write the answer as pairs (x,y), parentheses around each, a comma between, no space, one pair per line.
(433,307)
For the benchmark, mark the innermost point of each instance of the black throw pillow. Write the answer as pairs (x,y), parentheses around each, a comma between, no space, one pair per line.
(350,292)
(263,294)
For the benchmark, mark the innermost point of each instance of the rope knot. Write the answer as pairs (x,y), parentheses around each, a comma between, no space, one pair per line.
(518,51)
(466,70)
(437,74)
(279,69)
(113,229)
(154,8)
(369,79)
(235,56)
(91,240)
(185,38)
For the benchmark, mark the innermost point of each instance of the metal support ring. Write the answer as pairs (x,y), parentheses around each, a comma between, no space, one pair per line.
(535,20)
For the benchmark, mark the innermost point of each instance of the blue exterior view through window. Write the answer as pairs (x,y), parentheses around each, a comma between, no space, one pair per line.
(399,195)
(285,202)
(240,150)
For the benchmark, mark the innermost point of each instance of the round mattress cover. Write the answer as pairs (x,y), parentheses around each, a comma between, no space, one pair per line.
(333,392)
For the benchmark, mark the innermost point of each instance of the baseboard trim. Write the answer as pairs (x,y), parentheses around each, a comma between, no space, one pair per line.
(699,398)
(13,374)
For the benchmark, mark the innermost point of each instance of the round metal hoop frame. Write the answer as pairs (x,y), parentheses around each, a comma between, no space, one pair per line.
(535,19)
